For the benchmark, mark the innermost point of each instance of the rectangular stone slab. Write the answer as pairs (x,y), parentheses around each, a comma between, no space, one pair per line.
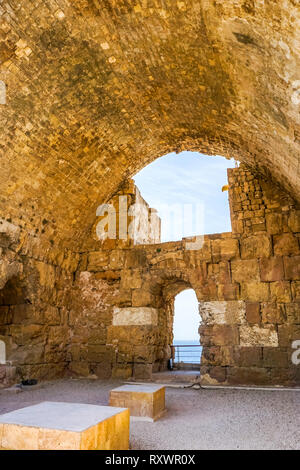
(144,401)
(65,426)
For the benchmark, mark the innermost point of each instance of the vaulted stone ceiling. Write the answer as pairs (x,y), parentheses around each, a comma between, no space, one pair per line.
(97,89)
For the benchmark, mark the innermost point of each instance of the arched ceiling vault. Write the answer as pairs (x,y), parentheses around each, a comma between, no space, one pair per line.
(97,89)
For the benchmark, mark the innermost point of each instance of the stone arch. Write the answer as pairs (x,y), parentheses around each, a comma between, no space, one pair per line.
(167,99)
(165,289)
(186,329)
(71,139)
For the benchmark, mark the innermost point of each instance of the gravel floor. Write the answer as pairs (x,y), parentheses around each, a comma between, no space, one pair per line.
(196,419)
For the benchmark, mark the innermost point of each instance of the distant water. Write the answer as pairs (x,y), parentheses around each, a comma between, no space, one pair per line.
(187,354)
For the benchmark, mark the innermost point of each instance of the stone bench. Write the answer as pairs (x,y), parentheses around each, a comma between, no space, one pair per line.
(65,426)
(147,401)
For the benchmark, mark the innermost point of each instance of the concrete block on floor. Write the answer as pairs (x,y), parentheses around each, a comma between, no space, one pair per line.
(65,426)
(145,402)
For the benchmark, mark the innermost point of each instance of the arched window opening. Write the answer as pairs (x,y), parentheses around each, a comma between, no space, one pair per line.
(188,190)
(186,341)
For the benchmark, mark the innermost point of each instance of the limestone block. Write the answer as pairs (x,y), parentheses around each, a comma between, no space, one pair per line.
(245,270)
(122,371)
(135,316)
(280,291)
(293,312)
(274,222)
(116,259)
(228,291)
(275,357)
(255,291)
(222,312)
(246,356)
(142,298)
(248,375)
(142,371)
(273,313)
(131,279)
(294,221)
(65,426)
(258,336)
(229,248)
(287,333)
(146,401)
(46,273)
(271,269)
(285,244)
(256,246)
(225,335)
(97,260)
(292,268)
(169,259)
(193,258)
(219,335)
(253,312)
(212,355)
(142,334)
(134,258)
(295,286)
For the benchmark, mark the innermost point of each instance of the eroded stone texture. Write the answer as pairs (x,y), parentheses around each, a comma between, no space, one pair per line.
(94,92)
(97,90)
(109,311)
(248,299)
(134,316)
(34,310)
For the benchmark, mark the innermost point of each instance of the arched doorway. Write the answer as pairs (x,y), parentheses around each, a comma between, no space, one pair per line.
(186,341)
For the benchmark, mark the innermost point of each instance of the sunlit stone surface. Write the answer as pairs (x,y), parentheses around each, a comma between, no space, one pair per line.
(146,401)
(65,426)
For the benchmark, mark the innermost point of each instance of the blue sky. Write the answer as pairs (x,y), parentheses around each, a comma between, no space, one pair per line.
(187,178)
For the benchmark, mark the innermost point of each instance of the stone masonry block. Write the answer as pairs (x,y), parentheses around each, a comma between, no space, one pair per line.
(253,312)
(285,244)
(145,401)
(245,270)
(271,269)
(258,336)
(256,246)
(135,316)
(292,268)
(65,426)
(255,291)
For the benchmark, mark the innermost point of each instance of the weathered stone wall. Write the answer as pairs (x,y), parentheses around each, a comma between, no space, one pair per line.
(246,282)
(91,92)
(125,221)
(109,312)
(97,90)
(35,282)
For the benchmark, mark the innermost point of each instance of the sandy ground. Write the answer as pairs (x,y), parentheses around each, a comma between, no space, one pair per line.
(196,419)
